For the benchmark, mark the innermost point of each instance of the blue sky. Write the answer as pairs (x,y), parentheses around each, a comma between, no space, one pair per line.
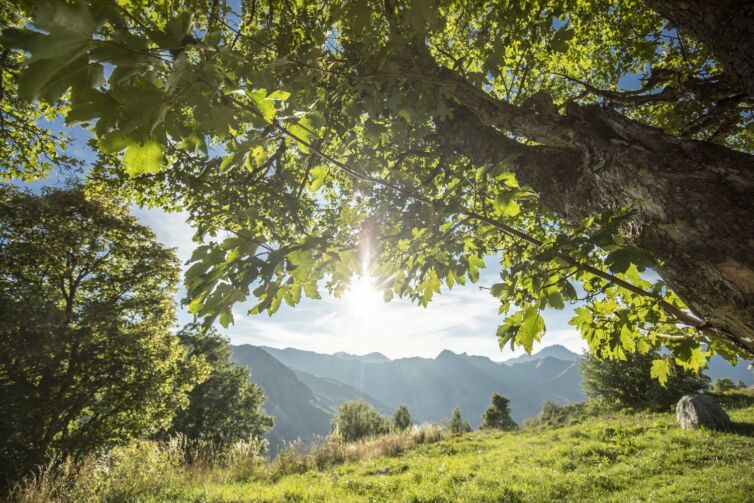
(463,319)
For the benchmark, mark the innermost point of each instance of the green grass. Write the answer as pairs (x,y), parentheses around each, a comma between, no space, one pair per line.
(615,458)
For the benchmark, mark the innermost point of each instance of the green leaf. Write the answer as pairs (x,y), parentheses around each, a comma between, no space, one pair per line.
(318,174)
(143,158)
(304,132)
(532,329)
(627,339)
(264,104)
(661,370)
(506,205)
(620,260)
(555,299)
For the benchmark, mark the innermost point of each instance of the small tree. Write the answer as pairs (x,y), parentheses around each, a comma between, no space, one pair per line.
(356,420)
(226,407)
(457,423)
(741,384)
(628,383)
(402,419)
(498,415)
(723,385)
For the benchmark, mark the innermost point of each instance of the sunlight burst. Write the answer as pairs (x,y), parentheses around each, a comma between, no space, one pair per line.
(363,298)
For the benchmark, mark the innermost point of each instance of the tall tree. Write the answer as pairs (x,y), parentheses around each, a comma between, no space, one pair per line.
(226,407)
(417,138)
(86,356)
(498,415)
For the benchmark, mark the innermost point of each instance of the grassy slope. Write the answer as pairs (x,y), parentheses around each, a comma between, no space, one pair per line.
(616,458)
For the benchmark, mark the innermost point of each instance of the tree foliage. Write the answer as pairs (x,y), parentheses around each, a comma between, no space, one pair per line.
(498,415)
(226,407)
(402,419)
(627,383)
(422,140)
(29,150)
(457,424)
(357,420)
(725,384)
(86,356)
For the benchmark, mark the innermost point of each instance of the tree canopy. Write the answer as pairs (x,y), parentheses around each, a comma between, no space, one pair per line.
(578,144)
(87,360)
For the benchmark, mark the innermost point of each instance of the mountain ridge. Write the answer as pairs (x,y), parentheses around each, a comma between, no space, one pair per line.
(304,387)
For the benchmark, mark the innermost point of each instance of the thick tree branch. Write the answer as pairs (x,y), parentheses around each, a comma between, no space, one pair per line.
(725,26)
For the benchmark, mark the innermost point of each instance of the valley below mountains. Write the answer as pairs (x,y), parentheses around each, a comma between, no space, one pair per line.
(304,388)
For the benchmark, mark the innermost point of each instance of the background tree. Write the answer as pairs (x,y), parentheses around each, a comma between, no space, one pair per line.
(723,385)
(457,424)
(498,415)
(627,383)
(226,407)
(356,420)
(436,134)
(402,419)
(86,356)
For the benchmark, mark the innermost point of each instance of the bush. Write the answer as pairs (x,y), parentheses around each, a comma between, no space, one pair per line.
(356,420)
(628,383)
(402,419)
(457,424)
(723,385)
(553,414)
(498,415)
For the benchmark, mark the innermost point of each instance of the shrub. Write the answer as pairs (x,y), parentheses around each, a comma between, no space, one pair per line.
(402,419)
(723,385)
(139,470)
(628,383)
(457,424)
(356,420)
(553,414)
(245,458)
(498,415)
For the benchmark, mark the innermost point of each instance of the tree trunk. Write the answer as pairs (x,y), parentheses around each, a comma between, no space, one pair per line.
(695,212)
(694,201)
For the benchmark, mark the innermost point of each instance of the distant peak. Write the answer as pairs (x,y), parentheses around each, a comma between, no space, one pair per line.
(557,351)
(446,353)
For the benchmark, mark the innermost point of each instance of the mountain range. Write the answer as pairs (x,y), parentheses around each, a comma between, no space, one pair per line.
(304,388)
